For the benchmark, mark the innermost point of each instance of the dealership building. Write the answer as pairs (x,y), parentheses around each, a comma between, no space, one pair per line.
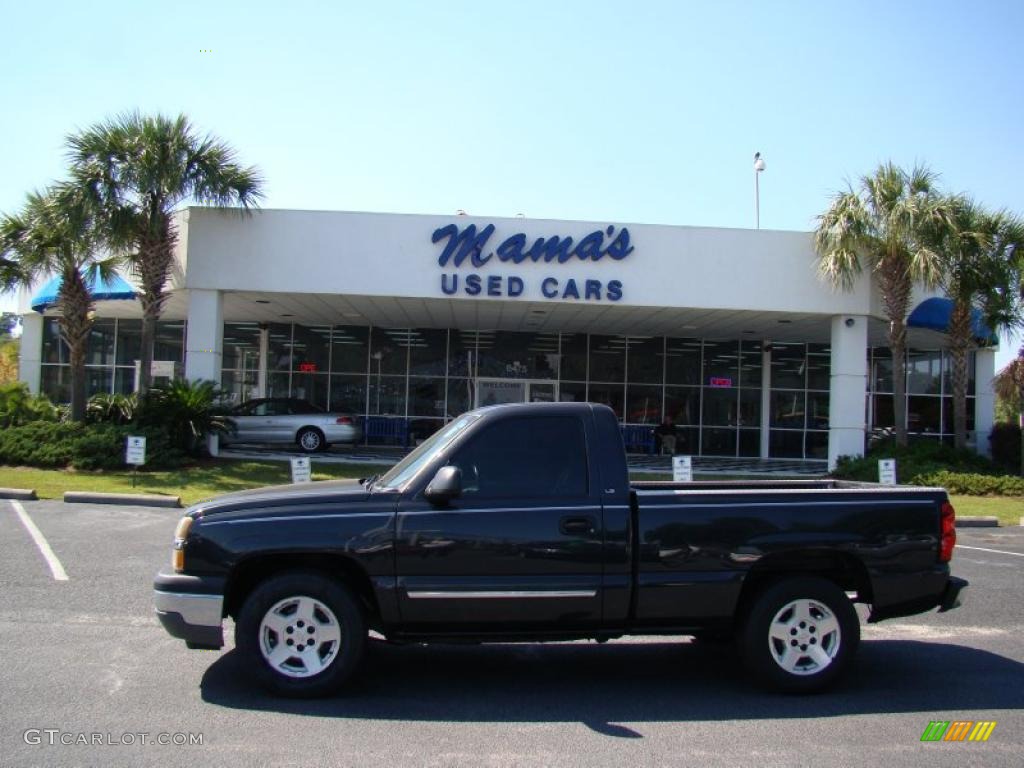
(409,320)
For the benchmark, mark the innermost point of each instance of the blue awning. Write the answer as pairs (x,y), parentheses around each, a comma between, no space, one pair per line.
(102,290)
(934,314)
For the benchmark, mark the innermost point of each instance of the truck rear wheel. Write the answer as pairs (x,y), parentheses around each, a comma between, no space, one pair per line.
(301,634)
(800,635)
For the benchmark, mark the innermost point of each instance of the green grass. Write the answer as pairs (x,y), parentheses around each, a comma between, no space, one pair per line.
(216,477)
(1009,509)
(192,484)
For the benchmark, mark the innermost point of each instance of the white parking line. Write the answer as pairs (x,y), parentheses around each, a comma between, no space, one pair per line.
(996,551)
(44,546)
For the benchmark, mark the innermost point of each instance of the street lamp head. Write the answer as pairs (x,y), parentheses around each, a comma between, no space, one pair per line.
(758,162)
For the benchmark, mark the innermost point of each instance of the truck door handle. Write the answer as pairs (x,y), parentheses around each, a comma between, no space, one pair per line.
(576,525)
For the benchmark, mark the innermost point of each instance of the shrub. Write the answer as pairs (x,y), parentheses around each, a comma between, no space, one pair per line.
(922,457)
(19,406)
(1005,440)
(111,409)
(186,411)
(973,484)
(83,446)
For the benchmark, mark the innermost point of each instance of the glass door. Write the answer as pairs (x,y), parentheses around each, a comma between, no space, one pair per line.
(499,391)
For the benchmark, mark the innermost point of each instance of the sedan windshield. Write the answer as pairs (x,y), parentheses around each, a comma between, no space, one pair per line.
(404,470)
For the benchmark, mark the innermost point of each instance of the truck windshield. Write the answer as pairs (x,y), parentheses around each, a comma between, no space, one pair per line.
(404,470)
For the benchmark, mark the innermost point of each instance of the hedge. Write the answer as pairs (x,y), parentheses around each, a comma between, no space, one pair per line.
(974,485)
(83,446)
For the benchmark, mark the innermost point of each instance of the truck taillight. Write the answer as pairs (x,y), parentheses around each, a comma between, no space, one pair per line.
(347,420)
(948,527)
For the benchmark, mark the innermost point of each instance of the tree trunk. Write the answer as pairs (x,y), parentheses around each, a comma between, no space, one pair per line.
(152,264)
(898,346)
(75,304)
(895,287)
(1020,420)
(959,344)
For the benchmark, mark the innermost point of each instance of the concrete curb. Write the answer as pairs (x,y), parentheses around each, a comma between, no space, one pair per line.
(977,521)
(21,494)
(137,499)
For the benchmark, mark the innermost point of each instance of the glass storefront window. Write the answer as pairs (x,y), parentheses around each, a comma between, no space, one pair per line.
(749,442)
(789,366)
(350,349)
(923,373)
(720,407)
(819,372)
(387,395)
(54,348)
(682,361)
(817,410)
(750,364)
(278,384)
(574,357)
(389,351)
(56,383)
(426,396)
(572,391)
(462,352)
(279,348)
(238,386)
(312,387)
(787,409)
(611,395)
(750,408)
(348,393)
(786,444)
(98,381)
(881,370)
(311,350)
(99,349)
(719,442)
(428,352)
(514,355)
(169,342)
(460,396)
(241,347)
(643,404)
(682,405)
(607,358)
(129,341)
(721,363)
(816,445)
(646,360)
(947,373)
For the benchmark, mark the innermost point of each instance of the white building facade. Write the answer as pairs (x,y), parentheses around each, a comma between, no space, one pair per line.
(728,334)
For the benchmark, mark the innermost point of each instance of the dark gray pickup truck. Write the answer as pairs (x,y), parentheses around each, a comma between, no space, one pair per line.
(520,523)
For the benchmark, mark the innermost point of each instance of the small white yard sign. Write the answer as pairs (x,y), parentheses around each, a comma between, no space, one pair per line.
(135,450)
(682,469)
(301,471)
(887,471)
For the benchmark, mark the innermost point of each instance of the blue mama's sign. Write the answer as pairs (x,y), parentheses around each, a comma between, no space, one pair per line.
(468,248)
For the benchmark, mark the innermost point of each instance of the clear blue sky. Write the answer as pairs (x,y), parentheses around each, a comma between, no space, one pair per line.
(619,111)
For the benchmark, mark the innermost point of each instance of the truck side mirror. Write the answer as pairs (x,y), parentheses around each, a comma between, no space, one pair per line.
(446,485)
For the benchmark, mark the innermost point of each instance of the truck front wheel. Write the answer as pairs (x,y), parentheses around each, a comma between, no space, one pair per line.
(301,634)
(800,635)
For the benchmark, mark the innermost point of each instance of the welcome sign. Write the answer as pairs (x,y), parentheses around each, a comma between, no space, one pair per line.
(469,249)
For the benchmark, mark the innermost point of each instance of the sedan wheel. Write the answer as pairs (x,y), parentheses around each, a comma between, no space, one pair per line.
(310,440)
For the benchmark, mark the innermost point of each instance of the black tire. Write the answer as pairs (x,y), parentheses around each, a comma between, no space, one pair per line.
(815,651)
(311,440)
(292,678)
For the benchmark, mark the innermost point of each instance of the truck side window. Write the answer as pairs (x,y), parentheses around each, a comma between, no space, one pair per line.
(541,456)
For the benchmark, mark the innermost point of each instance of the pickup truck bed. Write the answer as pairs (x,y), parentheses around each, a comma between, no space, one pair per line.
(520,523)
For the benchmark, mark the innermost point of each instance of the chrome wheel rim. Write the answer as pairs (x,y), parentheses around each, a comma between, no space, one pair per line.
(299,636)
(804,637)
(310,440)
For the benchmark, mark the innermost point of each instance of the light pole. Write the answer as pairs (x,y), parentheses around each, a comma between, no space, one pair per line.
(758,167)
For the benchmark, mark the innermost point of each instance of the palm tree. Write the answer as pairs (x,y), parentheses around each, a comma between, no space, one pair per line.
(55,234)
(1009,385)
(138,169)
(979,272)
(882,228)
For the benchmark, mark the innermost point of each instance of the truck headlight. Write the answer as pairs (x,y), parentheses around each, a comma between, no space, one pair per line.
(178,553)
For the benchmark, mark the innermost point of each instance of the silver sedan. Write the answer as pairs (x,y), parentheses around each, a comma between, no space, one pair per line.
(288,420)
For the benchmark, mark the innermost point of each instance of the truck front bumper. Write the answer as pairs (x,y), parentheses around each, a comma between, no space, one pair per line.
(191,608)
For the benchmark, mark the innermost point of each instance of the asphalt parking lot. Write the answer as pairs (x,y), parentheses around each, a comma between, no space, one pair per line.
(86,657)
